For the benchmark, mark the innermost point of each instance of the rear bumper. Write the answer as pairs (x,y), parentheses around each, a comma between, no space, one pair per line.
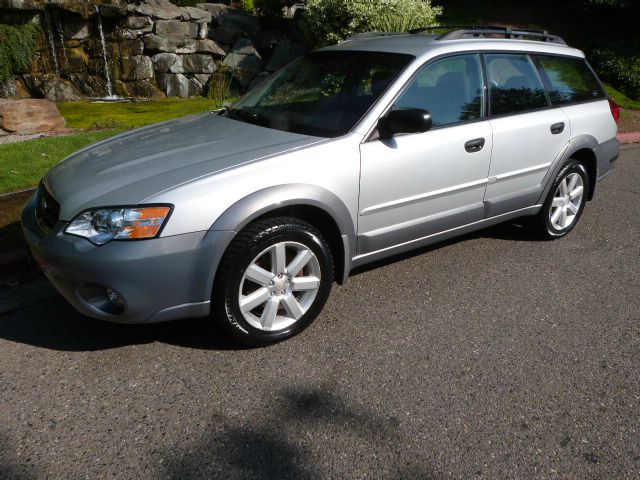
(606,155)
(157,280)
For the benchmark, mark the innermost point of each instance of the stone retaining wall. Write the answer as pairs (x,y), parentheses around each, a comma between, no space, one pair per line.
(153,48)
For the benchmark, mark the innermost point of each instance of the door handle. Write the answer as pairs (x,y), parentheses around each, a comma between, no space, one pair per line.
(474,145)
(557,128)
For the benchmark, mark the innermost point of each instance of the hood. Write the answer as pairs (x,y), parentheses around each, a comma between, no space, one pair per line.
(128,168)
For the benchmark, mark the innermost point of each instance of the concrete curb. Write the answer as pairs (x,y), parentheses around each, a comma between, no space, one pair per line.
(629,137)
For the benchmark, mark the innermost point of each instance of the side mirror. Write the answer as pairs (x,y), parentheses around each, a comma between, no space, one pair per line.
(408,120)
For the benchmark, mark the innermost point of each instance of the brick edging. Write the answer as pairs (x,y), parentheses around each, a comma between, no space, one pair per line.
(629,137)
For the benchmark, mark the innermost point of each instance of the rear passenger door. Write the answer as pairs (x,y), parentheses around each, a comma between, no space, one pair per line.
(527,133)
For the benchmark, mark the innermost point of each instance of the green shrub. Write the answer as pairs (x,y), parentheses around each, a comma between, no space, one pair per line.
(247,6)
(618,67)
(329,21)
(17,47)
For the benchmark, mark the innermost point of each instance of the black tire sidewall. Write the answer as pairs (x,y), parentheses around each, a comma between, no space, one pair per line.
(278,232)
(573,166)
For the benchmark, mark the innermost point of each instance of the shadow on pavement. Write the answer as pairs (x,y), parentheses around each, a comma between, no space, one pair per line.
(54,324)
(300,434)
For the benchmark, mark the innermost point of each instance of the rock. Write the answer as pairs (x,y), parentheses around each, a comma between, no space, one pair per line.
(244,46)
(164,61)
(258,79)
(196,14)
(8,89)
(249,62)
(203,31)
(175,27)
(203,78)
(75,29)
(198,63)
(215,9)
(60,90)
(139,25)
(89,85)
(141,89)
(178,85)
(239,21)
(162,9)
(224,35)
(137,67)
(131,47)
(170,43)
(210,46)
(30,116)
(284,53)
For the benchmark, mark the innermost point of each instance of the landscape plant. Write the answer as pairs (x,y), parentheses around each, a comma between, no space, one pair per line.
(17,47)
(327,22)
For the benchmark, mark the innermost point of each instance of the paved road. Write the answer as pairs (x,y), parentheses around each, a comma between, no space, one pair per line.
(495,356)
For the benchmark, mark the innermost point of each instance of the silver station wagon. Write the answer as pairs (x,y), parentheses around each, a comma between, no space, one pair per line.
(353,153)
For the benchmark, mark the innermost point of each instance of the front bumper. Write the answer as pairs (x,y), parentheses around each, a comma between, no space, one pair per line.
(158,280)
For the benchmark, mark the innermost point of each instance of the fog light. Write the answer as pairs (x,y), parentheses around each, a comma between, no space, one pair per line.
(115,298)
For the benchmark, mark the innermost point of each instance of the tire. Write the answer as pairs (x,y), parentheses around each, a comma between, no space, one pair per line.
(565,202)
(273,281)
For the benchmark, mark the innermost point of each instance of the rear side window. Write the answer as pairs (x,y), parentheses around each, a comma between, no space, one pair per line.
(450,89)
(514,84)
(569,80)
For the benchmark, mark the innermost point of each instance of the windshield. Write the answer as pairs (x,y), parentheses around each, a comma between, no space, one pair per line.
(323,94)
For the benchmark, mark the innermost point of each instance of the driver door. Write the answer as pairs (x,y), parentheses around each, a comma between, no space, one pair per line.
(415,185)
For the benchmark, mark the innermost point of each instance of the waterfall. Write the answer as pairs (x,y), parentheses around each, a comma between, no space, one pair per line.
(104,56)
(50,39)
(58,27)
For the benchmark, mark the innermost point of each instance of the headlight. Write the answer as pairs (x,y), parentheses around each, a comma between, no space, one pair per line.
(105,224)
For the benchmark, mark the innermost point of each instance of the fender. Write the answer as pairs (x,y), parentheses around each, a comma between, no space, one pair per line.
(577,143)
(259,203)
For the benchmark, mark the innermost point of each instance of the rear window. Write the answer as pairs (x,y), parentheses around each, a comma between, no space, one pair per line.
(569,80)
(514,84)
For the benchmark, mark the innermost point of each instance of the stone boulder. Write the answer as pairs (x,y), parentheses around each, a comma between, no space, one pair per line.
(162,9)
(210,46)
(239,21)
(60,90)
(196,15)
(170,43)
(139,25)
(215,9)
(244,61)
(225,36)
(164,61)
(175,27)
(137,67)
(178,85)
(29,116)
(9,88)
(198,63)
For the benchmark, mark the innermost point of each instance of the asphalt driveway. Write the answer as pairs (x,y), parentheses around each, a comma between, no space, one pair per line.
(492,356)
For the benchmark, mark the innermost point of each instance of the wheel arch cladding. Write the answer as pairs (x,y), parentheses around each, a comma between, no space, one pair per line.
(581,148)
(316,206)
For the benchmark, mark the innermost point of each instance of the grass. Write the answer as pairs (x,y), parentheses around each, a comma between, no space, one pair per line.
(86,115)
(23,164)
(622,100)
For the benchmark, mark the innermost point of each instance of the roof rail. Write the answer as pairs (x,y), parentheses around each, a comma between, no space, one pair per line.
(492,31)
(372,34)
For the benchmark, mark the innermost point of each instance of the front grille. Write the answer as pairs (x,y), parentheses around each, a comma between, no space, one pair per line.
(47,209)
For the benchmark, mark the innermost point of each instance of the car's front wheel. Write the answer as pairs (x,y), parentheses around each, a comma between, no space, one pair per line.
(273,281)
(566,201)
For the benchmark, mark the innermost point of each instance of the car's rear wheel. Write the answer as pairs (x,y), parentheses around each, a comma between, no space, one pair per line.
(273,281)
(565,202)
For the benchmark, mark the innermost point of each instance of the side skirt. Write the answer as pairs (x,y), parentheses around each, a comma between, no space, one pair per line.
(360,260)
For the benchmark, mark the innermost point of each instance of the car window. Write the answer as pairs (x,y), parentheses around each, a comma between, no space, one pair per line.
(450,88)
(514,85)
(322,94)
(569,79)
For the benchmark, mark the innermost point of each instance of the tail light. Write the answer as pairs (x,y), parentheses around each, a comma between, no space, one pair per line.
(615,110)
